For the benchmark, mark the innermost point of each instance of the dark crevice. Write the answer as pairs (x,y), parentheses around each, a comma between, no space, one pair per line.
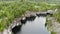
(41,15)
(23,21)
(16,29)
(31,18)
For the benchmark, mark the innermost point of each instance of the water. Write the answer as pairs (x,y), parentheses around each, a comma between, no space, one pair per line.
(34,27)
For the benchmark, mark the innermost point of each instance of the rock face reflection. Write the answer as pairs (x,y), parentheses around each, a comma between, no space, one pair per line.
(37,26)
(16,29)
(31,18)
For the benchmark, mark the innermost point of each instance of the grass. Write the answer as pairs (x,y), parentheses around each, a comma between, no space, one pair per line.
(10,11)
(49,25)
(52,32)
(57,16)
(48,22)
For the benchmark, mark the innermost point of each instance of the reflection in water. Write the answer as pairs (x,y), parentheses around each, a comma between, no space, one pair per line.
(34,27)
(31,18)
(16,29)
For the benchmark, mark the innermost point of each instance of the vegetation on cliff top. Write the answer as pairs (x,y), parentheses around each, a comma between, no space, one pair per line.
(10,11)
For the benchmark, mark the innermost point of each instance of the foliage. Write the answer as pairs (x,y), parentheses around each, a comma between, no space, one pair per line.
(52,32)
(48,22)
(49,25)
(57,16)
(10,11)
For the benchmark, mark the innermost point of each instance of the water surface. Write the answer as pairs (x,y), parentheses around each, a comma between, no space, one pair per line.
(34,27)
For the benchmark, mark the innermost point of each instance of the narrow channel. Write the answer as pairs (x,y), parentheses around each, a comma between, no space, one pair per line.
(37,26)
